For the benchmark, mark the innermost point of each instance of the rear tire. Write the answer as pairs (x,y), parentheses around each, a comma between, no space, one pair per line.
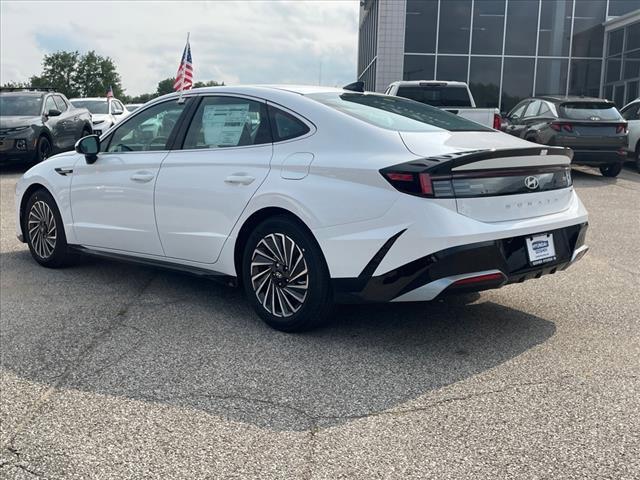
(611,170)
(285,276)
(44,231)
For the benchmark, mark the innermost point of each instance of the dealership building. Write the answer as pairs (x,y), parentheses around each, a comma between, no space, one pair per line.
(505,50)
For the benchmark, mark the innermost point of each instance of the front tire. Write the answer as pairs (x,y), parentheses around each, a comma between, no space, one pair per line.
(44,231)
(611,170)
(285,276)
(43,150)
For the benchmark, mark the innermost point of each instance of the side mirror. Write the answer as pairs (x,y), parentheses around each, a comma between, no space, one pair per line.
(89,146)
(117,112)
(54,112)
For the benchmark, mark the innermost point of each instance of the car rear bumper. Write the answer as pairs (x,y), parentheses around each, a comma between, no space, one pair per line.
(465,268)
(598,157)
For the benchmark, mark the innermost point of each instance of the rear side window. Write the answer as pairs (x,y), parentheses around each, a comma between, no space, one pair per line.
(437,95)
(285,126)
(589,111)
(632,112)
(394,113)
(222,122)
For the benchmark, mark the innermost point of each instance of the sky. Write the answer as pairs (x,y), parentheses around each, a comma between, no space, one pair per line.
(238,42)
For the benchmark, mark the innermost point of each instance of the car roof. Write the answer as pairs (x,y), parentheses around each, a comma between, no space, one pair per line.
(26,92)
(571,98)
(96,99)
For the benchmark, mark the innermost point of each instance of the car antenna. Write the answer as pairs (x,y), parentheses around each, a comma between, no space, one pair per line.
(355,87)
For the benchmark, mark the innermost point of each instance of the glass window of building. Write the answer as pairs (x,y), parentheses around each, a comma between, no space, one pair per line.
(632,92)
(588,32)
(555,28)
(618,95)
(418,67)
(452,68)
(633,36)
(484,81)
(584,78)
(522,24)
(454,27)
(613,70)
(551,76)
(631,65)
(420,28)
(517,81)
(616,40)
(488,27)
(621,7)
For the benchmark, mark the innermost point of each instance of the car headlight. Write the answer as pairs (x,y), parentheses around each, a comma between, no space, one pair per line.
(21,144)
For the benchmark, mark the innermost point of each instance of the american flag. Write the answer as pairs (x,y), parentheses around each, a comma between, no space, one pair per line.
(110,92)
(184,77)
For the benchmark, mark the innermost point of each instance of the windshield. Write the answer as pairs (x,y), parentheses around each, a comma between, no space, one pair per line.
(394,113)
(20,105)
(589,111)
(94,106)
(437,95)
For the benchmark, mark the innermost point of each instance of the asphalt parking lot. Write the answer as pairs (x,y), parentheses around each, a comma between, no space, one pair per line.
(120,371)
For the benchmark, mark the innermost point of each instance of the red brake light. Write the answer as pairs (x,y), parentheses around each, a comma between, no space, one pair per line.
(426,187)
(400,177)
(621,128)
(497,121)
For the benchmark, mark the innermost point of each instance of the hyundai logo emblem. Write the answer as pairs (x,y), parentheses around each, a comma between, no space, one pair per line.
(531,182)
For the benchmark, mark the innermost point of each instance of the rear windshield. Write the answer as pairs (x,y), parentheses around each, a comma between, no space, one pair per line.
(437,95)
(394,113)
(20,105)
(589,111)
(94,106)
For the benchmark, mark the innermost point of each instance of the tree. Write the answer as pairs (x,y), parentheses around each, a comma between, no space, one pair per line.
(165,86)
(78,75)
(210,83)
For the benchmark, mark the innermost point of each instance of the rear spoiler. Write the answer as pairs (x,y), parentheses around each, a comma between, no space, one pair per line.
(444,164)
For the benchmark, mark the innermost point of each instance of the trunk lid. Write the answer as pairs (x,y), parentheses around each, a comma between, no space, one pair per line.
(491,178)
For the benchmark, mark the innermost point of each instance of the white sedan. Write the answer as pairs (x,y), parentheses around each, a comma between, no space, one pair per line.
(306,196)
(105,112)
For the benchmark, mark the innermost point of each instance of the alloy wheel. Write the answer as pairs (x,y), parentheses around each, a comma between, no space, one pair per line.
(279,275)
(42,229)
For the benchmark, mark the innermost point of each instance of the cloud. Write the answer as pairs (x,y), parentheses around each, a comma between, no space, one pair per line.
(236,42)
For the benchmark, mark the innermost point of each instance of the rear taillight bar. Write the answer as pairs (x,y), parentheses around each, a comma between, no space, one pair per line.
(497,121)
(622,128)
(560,126)
(478,183)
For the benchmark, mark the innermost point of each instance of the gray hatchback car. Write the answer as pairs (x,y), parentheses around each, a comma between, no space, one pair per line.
(592,127)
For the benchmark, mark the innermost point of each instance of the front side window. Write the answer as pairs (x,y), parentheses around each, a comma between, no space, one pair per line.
(149,130)
(532,109)
(589,111)
(20,105)
(223,122)
(49,104)
(62,105)
(395,113)
(116,108)
(517,112)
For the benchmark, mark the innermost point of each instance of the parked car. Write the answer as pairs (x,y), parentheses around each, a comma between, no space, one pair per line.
(105,112)
(36,123)
(631,113)
(592,127)
(308,196)
(454,97)
(133,106)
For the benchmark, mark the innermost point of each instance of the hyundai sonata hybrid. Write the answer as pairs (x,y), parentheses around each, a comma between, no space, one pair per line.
(308,196)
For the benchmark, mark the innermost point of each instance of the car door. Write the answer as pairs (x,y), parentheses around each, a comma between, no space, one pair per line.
(514,119)
(112,199)
(632,115)
(203,187)
(69,124)
(54,123)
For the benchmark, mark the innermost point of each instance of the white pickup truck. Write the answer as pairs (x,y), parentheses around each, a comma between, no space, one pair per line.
(454,97)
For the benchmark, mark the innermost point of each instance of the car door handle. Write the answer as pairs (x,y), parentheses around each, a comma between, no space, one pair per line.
(240,179)
(142,177)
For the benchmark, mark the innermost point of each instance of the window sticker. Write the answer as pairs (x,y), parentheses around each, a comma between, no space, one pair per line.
(223,124)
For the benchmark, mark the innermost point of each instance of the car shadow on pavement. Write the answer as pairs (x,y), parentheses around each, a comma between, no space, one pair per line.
(147,335)
(586,177)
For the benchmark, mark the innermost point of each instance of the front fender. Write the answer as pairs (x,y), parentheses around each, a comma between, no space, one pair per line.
(44,175)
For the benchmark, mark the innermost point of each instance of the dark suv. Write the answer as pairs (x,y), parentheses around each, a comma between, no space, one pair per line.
(35,124)
(592,127)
